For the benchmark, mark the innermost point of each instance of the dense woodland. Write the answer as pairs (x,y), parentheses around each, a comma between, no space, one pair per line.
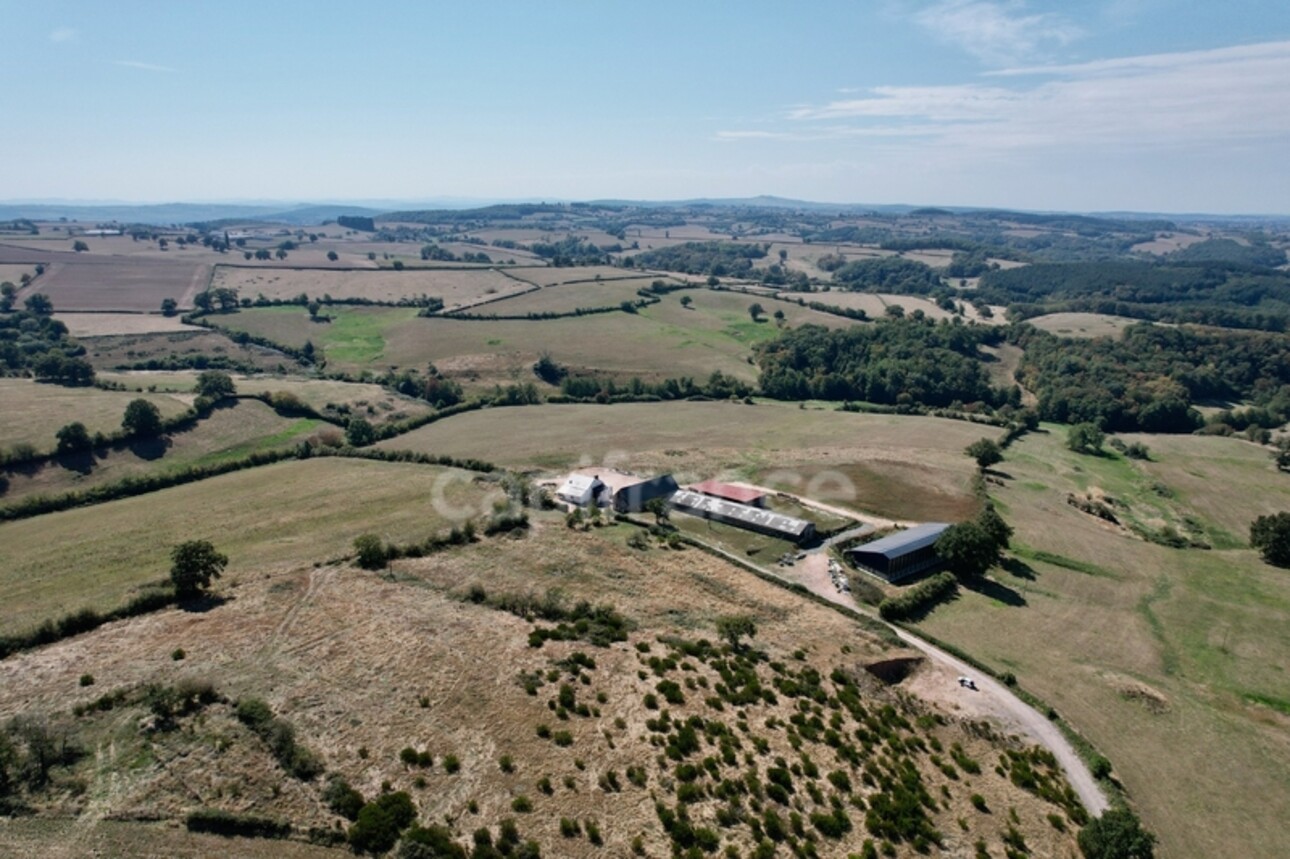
(895,361)
(1149,378)
(1223,294)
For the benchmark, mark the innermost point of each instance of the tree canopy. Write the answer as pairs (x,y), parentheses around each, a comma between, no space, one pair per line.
(893,361)
(142,419)
(1117,834)
(193,565)
(1271,536)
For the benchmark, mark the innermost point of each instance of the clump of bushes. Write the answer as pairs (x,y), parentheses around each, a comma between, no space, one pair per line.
(919,599)
(280,737)
(219,822)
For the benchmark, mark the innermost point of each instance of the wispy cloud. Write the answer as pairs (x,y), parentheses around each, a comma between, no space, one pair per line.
(62,35)
(146,67)
(997,32)
(1197,98)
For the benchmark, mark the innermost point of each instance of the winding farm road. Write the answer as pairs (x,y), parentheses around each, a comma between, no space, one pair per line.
(990,695)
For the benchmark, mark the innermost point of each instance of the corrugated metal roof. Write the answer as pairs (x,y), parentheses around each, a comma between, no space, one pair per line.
(579,484)
(688,500)
(904,542)
(740,494)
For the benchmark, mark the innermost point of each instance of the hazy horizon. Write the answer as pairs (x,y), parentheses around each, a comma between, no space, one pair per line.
(1092,106)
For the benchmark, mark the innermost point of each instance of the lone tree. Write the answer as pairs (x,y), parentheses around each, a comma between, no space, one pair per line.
(968,549)
(333,256)
(736,627)
(1117,834)
(192,566)
(1271,536)
(80,246)
(755,310)
(686,301)
(1085,438)
(371,552)
(169,306)
(142,419)
(986,452)
(73,438)
(215,384)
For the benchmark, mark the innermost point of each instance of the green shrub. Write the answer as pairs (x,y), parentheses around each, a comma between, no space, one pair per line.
(220,822)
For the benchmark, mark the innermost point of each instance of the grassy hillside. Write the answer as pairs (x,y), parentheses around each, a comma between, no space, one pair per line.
(661,341)
(32,412)
(238,429)
(1170,660)
(291,512)
(576,749)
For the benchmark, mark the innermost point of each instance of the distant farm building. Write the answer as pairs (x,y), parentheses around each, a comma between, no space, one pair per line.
(743,516)
(633,497)
(582,489)
(901,555)
(730,492)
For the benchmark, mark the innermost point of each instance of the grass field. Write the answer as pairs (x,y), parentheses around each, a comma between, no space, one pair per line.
(898,466)
(107,324)
(291,512)
(1173,662)
(1083,324)
(377,404)
(570,297)
(112,352)
(661,341)
(233,432)
(455,287)
(31,413)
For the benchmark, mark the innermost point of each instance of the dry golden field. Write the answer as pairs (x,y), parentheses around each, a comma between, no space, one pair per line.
(366,664)
(105,324)
(455,286)
(1083,324)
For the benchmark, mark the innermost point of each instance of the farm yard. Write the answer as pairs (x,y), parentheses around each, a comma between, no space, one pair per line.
(869,463)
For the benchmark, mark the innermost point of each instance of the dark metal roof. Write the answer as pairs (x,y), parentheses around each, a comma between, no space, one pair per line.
(904,542)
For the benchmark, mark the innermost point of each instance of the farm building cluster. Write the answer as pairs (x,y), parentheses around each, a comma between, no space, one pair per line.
(739,506)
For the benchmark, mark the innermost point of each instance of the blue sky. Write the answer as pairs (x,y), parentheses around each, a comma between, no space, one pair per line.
(1088,105)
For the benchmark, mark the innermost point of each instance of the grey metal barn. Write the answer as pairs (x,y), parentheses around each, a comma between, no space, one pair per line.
(744,516)
(903,554)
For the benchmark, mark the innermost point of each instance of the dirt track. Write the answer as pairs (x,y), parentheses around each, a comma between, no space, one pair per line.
(990,699)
